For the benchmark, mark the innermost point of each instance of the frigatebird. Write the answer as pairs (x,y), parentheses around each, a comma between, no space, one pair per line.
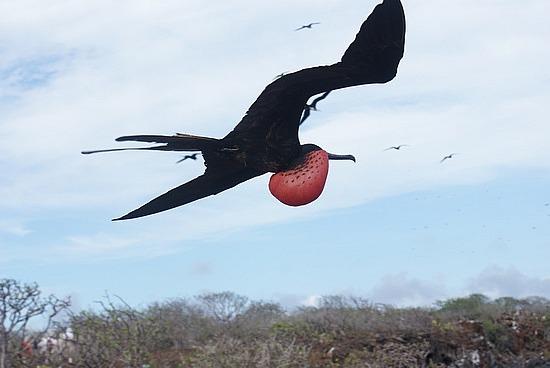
(266,139)
(397,148)
(307,26)
(189,157)
(312,106)
(448,157)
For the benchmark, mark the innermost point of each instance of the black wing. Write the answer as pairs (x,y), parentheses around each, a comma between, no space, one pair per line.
(178,142)
(320,98)
(210,183)
(307,112)
(373,57)
(312,106)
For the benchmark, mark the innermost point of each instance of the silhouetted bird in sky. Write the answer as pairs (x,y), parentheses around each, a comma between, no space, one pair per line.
(397,148)
(312,106)
(189,157)
(266,139)
(447,157)
(307,26)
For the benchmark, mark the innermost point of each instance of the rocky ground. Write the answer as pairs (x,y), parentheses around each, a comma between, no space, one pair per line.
(514,340)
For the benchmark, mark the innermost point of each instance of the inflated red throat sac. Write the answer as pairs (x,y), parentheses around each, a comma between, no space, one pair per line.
(302,184)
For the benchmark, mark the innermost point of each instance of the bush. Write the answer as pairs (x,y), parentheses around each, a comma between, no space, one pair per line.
(228,330)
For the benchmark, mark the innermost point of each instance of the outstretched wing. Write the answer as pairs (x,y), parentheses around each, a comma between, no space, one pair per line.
(178,142)
(210,183)
(320,98)
(312,106)
(373,57)
(307,112)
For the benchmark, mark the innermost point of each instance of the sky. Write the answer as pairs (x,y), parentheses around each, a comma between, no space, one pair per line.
(396,227)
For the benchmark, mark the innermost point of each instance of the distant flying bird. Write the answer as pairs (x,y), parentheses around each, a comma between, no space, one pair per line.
(448,157)
(266,139)
(307,26)
(397,148)
(189,157)
(312,106)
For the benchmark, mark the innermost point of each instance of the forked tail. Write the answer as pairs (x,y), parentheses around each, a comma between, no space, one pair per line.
(177,142)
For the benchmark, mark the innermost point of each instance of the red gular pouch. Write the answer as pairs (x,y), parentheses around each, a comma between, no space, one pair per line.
(303,183)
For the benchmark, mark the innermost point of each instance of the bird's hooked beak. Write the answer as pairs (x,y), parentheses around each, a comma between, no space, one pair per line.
(332,156)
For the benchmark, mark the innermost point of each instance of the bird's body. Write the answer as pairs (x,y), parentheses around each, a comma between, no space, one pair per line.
(308,26)
(189,157)
(266,139)
(312,106)
(448,157)
(397,148)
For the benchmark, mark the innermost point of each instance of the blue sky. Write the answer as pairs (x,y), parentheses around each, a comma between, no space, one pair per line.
(397,227)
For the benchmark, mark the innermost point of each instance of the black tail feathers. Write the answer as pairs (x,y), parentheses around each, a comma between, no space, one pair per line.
(178,142)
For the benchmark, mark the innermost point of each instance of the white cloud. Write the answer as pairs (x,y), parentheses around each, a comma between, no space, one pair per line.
(402,290)
(469,83)
(494,281)
(498,281)
(12,227)
(103,246)
(311,301)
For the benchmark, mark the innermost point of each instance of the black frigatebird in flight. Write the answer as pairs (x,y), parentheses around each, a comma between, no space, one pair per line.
(307,26)
(312,106)
(448,157)
(189,157)
(266,139)
(397,148)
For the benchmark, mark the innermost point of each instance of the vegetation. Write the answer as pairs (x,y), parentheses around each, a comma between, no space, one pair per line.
(228,330)
(19,305)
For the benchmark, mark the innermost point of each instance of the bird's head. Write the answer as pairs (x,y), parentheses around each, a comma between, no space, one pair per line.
(303,181)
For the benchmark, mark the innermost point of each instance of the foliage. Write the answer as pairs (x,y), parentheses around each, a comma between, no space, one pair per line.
(19,304)
(467,307)
(229,330)
(118,334)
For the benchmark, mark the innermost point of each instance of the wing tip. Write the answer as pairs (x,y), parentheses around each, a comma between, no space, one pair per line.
(128,216)
(98,151)
(137,138)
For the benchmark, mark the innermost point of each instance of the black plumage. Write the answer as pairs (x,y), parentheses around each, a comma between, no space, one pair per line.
(307,26)
(448,157)
(312,106)
(266,139)
(188,157)
(397,148)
